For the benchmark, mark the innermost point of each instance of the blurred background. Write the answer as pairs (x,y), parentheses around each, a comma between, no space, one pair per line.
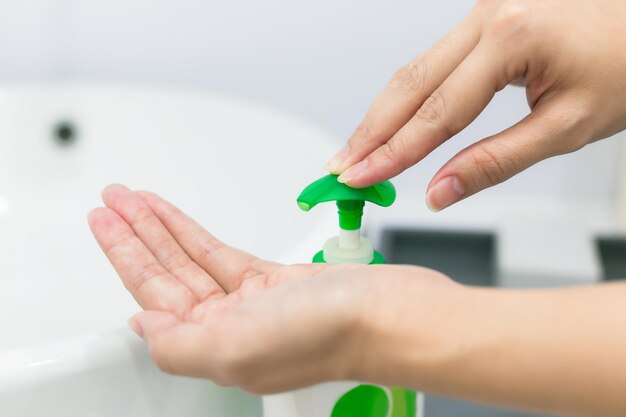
(324,62)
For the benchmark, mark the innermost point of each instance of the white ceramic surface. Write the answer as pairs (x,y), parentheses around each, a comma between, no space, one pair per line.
(235,166)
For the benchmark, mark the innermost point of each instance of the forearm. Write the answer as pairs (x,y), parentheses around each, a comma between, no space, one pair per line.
(559,351)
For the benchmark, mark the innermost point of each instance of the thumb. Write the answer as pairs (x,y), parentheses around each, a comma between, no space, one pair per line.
(177,347)
(147,324)
(555,128)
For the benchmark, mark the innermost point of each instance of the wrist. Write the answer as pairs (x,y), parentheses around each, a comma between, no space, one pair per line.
(345,314)
(415,323)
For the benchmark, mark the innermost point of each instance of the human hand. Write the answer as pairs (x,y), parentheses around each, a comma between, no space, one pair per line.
(220,313)
(215,312)
(569,54)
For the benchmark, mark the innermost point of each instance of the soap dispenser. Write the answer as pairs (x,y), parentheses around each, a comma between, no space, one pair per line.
(349,246)
(351,399)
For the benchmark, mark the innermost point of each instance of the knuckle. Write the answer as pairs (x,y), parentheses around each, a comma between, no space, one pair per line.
(363,130)
(175,260)
(172,215)
(581,127)
(145,274)
(119,240)
(434,112)
(513,21)
(395,153)
(363,134)
(210,246)
(390,152)
(575,125)
(411,77)
(493,165)
(142,215)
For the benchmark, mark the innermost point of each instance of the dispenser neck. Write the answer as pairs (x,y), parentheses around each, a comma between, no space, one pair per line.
(350,214)
(349,239)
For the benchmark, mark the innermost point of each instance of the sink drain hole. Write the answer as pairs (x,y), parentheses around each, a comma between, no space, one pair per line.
(64,133)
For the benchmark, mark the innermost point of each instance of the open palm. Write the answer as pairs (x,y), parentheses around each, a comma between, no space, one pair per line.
(215,311)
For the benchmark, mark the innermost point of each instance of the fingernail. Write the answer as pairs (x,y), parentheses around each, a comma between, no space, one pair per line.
(334,165)
(134,324)
(445,193)
(353,172)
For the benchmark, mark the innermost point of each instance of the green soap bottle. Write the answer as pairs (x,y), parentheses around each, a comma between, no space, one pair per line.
(349,246)
(356,400)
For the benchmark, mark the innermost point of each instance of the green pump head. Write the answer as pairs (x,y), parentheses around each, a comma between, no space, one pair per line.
(350,201)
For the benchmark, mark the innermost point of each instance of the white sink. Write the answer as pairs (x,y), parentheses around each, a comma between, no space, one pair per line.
(235,166)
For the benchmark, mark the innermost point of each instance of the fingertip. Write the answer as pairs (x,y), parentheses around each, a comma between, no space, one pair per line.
(352,175)
(331,169)
(431,205)
(367,178)
(92,214)
(445,193)
(148,323)
(135,325)
(113,188)
(335,165)
(106,225)
(92,219)
(101,217)
(112,192)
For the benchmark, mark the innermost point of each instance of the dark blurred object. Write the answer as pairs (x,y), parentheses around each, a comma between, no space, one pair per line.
(467,257)
(444,407)
(64,133)
(612,254)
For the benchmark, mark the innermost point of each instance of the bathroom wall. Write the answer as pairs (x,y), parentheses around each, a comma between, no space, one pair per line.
(324,60)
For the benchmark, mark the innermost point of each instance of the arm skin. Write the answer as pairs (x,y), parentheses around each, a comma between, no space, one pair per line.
(215,312)
(570,55)
(557,351)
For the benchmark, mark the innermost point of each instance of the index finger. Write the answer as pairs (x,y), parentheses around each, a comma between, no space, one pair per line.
(452,107)
(410,86)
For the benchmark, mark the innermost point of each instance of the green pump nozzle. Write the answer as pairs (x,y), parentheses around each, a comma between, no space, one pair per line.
(349,246)
(350,201)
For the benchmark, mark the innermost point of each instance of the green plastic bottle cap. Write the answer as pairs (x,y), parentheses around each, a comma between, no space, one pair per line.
(350,201)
